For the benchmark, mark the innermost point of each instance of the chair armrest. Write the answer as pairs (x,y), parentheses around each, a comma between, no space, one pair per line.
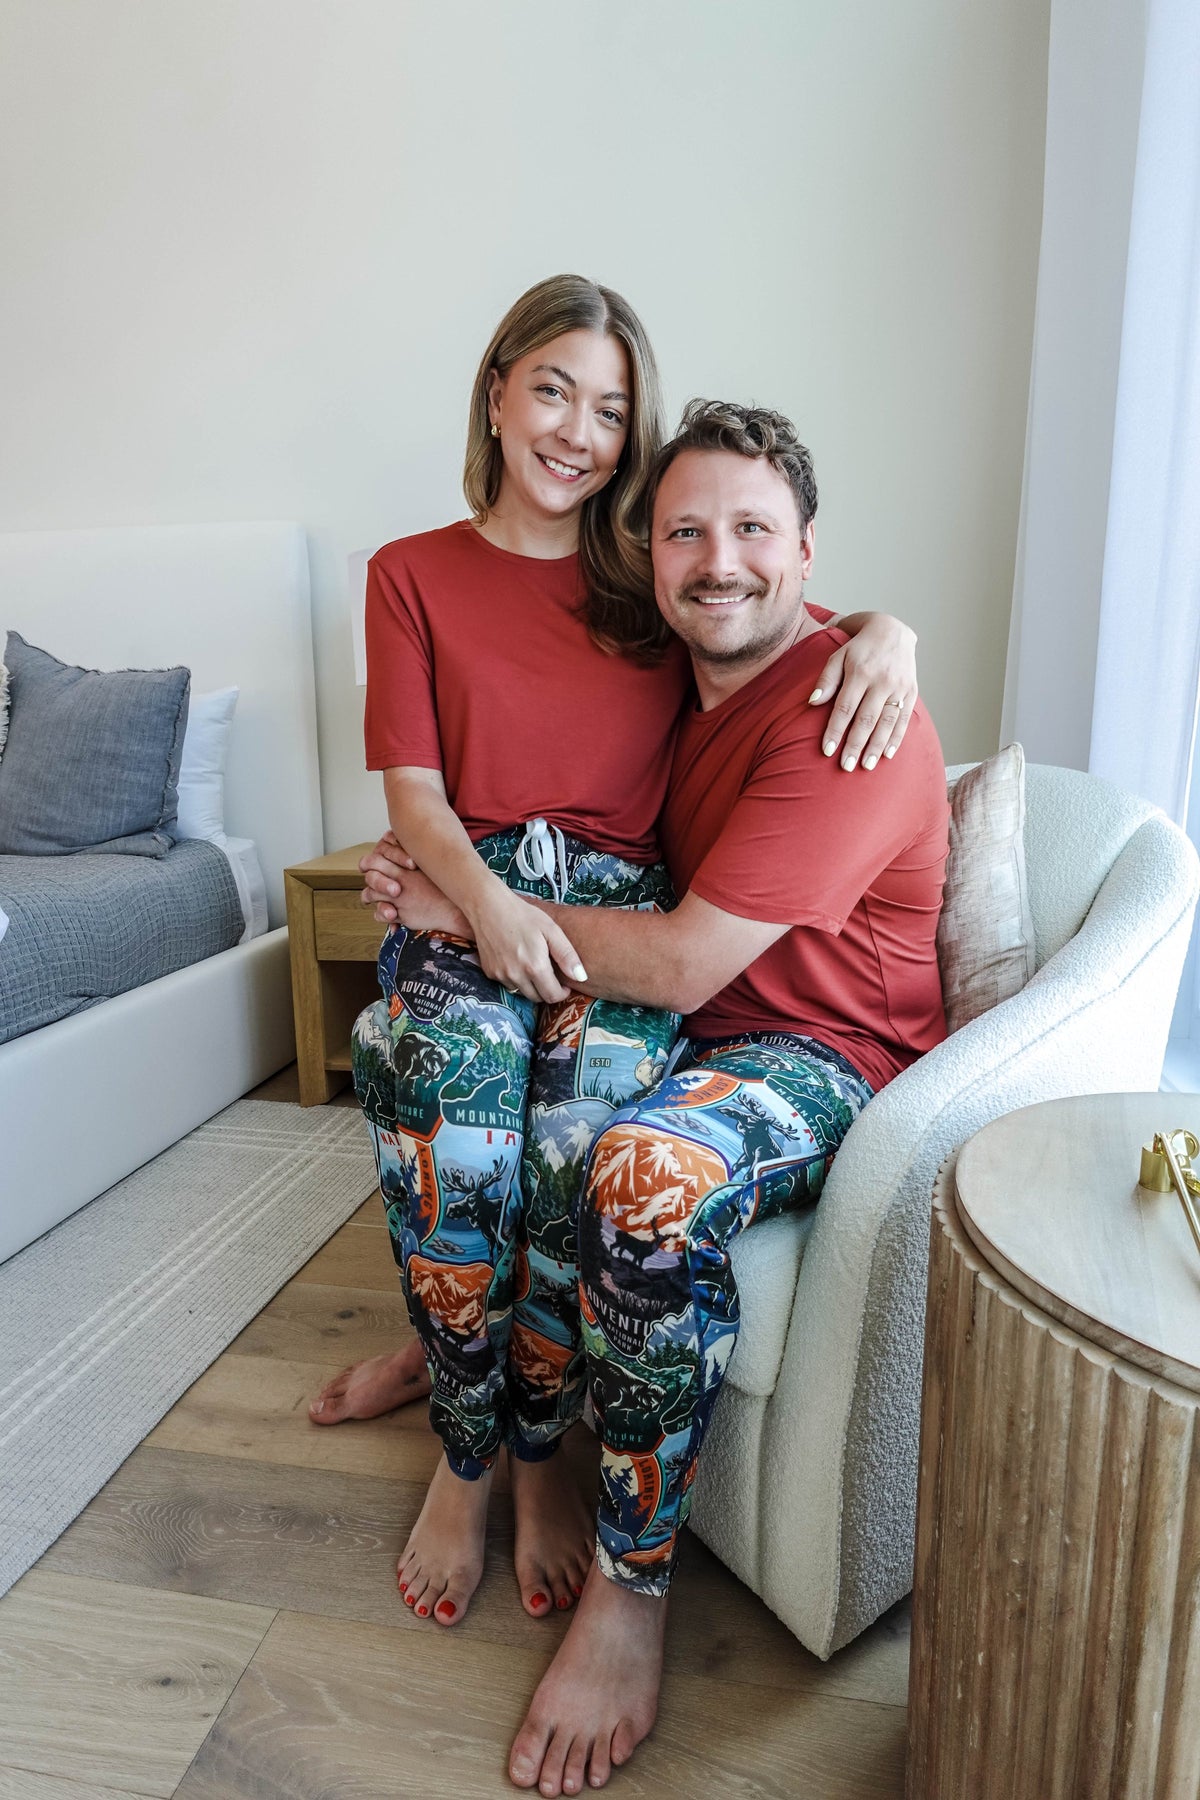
(843,1420)
(1123,965)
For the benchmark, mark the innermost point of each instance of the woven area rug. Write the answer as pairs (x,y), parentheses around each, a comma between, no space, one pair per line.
(107,1319)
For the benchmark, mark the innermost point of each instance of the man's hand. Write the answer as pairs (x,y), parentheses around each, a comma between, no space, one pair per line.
(401,895)
(877,675)
(384,866)
(422,906)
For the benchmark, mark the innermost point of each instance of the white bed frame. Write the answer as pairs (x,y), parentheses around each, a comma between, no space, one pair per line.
(85,1101)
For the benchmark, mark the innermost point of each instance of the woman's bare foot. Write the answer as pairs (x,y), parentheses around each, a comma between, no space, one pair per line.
(554,1534)
(599,1697)
(368,1389)
(443,1559)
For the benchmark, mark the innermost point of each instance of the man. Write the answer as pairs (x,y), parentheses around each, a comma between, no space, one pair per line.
(802,956)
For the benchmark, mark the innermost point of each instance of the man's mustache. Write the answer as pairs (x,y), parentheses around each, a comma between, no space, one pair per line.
(716,590)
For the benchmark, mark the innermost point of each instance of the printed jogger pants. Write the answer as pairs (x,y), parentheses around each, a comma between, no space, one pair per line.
(741,1130)
(482,1107)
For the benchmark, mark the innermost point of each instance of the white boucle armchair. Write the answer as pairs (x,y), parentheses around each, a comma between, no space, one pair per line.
(807,1484)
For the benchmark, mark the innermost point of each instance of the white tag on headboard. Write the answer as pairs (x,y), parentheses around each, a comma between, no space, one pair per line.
(356,564)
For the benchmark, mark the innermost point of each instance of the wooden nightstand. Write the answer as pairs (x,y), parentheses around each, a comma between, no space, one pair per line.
(333,941)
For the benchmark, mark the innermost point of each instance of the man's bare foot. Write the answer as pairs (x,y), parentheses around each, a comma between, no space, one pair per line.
(554,1534)
(443,1559)
(599,1697)
(368,1389)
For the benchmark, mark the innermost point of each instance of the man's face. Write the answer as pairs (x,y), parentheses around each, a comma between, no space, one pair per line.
(730,560)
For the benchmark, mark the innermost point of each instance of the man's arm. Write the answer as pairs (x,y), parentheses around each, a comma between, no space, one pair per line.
(675,960)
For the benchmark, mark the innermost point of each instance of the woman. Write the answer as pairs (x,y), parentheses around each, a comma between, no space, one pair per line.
(518,671)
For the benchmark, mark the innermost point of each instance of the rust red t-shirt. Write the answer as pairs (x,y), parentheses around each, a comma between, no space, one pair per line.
(758,822)
(479,664)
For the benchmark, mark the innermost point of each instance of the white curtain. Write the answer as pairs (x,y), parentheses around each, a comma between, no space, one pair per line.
(1148,658)
(1148,655)
(1104,646)
(1093,99)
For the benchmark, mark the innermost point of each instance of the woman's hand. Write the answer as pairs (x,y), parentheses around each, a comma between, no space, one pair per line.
(519,945)
(877,676)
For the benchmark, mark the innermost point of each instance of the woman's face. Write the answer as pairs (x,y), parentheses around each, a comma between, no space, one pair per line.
(563,413)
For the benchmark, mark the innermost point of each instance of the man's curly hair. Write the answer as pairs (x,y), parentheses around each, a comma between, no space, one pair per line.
(747,431)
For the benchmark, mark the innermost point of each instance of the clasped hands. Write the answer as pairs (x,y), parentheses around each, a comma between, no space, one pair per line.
(518,945)
(401,895)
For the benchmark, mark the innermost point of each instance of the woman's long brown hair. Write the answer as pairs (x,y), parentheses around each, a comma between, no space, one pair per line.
(618,604)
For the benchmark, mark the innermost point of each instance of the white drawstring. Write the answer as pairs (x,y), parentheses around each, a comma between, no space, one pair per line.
(540,850)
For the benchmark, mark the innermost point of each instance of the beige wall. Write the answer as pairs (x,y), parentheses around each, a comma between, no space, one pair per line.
(253,249)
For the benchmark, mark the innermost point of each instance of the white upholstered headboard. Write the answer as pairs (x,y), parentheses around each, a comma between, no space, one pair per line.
(230,601)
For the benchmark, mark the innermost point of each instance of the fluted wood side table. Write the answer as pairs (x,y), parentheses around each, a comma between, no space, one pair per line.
(1056,1607)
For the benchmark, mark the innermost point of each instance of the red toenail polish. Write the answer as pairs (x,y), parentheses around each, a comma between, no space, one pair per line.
(408,1599)
(422,1612)
(404,1587)
(577,1590)
(446,1608)
(539,1599)
(563,1602)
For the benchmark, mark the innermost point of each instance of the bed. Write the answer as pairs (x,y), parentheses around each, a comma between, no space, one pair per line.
(85,928)
(88,1098)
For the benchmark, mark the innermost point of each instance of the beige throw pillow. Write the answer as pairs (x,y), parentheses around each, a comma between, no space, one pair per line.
(985,934)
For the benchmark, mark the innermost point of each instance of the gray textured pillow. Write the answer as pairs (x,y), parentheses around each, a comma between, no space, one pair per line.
(985,939)
(92,760)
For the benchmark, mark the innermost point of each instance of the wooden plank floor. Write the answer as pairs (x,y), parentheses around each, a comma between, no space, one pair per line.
(222,1621)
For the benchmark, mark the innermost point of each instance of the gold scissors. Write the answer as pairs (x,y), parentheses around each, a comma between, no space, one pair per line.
(1167,1167)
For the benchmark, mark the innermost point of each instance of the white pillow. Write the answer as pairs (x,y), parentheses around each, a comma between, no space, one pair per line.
(985,942)
(202,770)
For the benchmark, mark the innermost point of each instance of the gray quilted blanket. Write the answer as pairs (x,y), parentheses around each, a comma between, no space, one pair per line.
(83,928)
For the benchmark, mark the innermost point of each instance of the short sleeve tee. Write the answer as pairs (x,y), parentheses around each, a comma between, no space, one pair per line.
(760,823)
(479,664)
